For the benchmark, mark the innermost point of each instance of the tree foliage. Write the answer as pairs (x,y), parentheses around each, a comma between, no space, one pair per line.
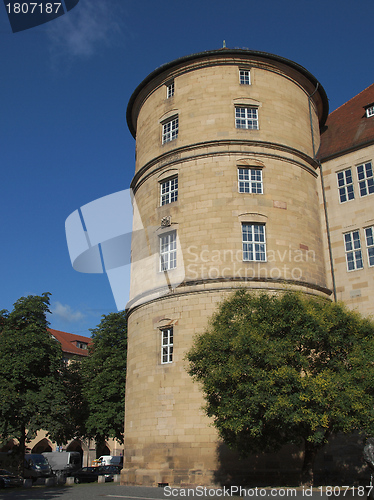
(285,368)
(31,391)
(85,398)
(76,413)
(104,378)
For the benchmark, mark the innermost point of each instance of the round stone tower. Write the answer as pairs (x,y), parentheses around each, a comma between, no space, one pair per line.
(225,192)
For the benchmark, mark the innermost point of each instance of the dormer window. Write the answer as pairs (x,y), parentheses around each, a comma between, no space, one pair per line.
(369,110)
(81,345)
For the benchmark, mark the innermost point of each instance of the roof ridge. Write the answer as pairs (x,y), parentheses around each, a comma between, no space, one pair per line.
(88,339)
(351,99)
(348,127)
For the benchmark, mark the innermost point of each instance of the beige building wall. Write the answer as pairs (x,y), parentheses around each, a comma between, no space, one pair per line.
(354,287)
(168,439)
(87,447)
(205,96)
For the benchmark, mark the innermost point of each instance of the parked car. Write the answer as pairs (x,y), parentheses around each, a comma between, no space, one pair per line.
(91,474)
(111,470)
(8,479)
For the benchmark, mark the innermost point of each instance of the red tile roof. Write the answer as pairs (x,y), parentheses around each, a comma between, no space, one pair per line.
(69,341)
(347,128)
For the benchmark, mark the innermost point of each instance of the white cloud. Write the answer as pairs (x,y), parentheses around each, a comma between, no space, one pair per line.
(66,313)
(80,31)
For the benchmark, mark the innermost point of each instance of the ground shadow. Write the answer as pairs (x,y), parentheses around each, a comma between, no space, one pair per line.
(340,462)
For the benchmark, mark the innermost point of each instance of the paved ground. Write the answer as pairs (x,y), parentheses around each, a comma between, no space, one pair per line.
(114,491)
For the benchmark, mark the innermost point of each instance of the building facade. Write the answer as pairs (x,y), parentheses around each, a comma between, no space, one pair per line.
(346,154)
(72,346)
(226,192)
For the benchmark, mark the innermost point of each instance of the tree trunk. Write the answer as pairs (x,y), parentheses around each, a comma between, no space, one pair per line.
(307,474)
(21,450)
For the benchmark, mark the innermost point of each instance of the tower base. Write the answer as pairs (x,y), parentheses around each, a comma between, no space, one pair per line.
(168,477)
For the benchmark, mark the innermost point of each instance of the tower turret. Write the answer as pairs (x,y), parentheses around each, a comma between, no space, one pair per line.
(226,194)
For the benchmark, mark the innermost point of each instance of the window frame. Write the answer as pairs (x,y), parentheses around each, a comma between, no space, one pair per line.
(343,189)
(247,119)
(170,90)
(173,129)
(370,245)
(244,76)
(168,249)
(370,111)
(171,195)
(250,182)
(247,243)
(167,348)
(351,251)
(365,183)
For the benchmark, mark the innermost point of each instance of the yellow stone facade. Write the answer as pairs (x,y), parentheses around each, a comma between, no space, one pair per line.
(168,439)
(353,287)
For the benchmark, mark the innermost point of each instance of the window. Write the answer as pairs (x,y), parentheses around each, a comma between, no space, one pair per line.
(370,111)
(167,345)
(345,185)
(250,180)
(170,90)
(254,246)
(169,191)
(369,233)
(244,77)
(81,345)
(365,178)
(168,251)
(353,252)
(170,130)
(246,118)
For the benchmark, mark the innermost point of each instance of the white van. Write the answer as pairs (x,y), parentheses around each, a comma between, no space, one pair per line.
(110,460)
(64,462)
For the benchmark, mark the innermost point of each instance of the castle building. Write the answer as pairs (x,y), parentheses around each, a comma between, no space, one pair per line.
(346,154)
(227,195)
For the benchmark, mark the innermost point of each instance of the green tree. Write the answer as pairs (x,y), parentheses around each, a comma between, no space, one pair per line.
(32,395)
(104,374)
(76,413)
(284,368)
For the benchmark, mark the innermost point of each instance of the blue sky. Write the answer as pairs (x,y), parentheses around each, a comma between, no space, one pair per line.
(65,86)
